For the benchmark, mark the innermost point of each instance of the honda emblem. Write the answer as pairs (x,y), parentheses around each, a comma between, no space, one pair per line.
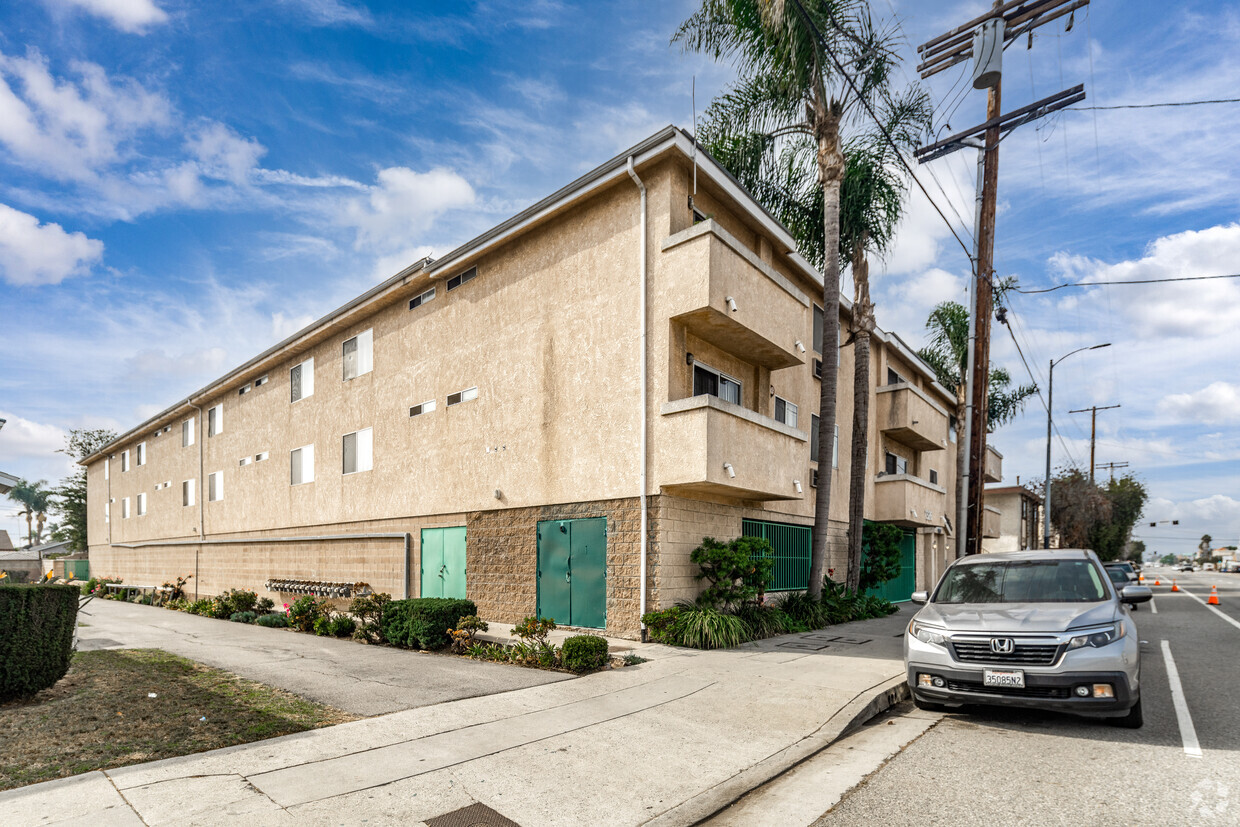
(1002,645)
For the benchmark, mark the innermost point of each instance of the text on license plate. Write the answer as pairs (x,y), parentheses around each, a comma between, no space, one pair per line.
(1013,678)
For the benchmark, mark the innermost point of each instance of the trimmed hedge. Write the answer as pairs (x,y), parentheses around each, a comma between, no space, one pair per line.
(423,622)
(36,637)
(584,653)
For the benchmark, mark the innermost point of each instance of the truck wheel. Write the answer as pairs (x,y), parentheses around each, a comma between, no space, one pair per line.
(927,706)
(1133,720)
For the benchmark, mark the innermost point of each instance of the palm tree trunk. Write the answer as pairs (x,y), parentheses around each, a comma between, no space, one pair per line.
(863,325)
(830,176)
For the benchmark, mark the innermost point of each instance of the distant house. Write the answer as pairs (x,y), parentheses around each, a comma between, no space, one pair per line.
(1019,527)
(21,566)
(6,543)
(8,482)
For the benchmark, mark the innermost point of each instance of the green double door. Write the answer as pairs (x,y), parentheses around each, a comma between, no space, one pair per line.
(443,562)
(900,588)
(572,571)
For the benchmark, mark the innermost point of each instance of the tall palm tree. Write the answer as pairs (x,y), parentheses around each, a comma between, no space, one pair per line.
(947,352)
(36,498)
(790,90)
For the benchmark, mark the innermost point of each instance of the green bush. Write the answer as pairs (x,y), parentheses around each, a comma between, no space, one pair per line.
(701,628)
(238,600)
(264,604)
(423,622)
(204,606)
(36,637)
(466,629)
(764,621)
(273,621)
(307,610)
(880,553)
(342,626)
(584,653)
(98,585)
(737,570)
(323,626)
(368,609)
(663,626)
(243,617)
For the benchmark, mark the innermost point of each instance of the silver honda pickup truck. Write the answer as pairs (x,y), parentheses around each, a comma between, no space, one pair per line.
(1042,629)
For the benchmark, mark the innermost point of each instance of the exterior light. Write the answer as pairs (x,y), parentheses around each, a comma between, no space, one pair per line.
(727,466)
(800,346)
(731,303)
(797,485)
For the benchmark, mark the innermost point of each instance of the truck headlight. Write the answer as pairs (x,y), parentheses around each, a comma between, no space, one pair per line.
(927,634)
(1098,638)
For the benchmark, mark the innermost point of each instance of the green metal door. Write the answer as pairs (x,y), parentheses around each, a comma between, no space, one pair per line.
(572,571)
(900,588)
(443,562)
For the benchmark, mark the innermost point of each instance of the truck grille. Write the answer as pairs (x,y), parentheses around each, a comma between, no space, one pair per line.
(1026,692)
(978,651)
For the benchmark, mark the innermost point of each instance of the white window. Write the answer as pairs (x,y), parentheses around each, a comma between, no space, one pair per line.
(243,390)
(107,512)
(466,395)
(107,469)
(260,381)
(215,420)
(187,432)
(835,449)
(785,412)
(142,453)
(125,508)
(124,461)
(215,486)
(418,301)
(142,504)
(301,465)
(707,380)
(424,408)
(245,461)
(261,455)
(358,355)
(358,451)
(467,276)
(896,464)
(301,380)
(187,492)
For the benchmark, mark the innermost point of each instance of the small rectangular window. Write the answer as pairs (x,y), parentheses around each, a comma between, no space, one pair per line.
(358,451)
(187,492)
(187,432)
(358,354)
(245,461)
(424,408)
(818,318)
(215,420)
(125,508)
(141,453)
(215,486)
(813,437)
(707,380)
(785,412)
(896,464)
(167,483)
(260,381)
(301,465)
(124,461)
(934,477)
(261,455)
(894,378)
(107,470)
(142,504)
(468,276)
(466,395)
(418,301)
(243,390)
(951,428)
(301,380)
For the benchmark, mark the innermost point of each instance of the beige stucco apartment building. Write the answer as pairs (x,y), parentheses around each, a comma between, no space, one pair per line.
(502,421)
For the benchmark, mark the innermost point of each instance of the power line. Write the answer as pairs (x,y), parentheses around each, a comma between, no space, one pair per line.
(1124,281)
(1154,105)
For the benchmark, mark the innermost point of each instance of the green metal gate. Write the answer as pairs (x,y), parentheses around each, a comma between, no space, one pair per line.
(792,544)
(572,571)
(77,569)
(443,562)
(900,588)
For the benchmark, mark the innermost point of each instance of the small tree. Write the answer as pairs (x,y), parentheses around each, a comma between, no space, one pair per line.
(880,554)
(737,571)
(70,496)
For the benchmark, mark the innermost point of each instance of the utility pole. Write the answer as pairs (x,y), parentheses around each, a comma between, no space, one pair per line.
(983,39)
(1112,466)
(1093,432)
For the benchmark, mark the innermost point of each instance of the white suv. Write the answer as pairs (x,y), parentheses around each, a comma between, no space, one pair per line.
(1043,629)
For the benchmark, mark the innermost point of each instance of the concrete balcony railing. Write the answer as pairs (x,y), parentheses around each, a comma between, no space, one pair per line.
(708,446)
(724,294)
(990,522)
(908,501)
(906,414)
(994,466)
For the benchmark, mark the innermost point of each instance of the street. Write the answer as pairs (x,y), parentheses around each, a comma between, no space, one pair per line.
(997,766)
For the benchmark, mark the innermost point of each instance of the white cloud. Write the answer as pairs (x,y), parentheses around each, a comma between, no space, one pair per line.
(24,438)
(923,233)
(1215,404)
(157,363)
(903,302)
(32,253)
(403,204)
(330,12)
(223,154)
(284,326)
(132,16)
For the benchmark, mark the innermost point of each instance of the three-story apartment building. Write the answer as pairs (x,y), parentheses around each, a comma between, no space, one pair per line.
(547,419)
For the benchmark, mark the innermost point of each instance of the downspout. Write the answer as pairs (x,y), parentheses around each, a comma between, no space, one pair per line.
(406,565)
(642,438)
(199,493)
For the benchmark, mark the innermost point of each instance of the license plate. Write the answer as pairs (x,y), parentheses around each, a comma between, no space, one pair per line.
(1012,678)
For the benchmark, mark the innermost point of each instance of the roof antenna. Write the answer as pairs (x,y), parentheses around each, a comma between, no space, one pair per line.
(693,98)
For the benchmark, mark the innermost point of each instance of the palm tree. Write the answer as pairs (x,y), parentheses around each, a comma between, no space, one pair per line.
(789,90)
(948,354)
(36,498)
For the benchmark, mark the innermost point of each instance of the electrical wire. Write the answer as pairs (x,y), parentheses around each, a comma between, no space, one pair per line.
(1124,281)
(1153,105)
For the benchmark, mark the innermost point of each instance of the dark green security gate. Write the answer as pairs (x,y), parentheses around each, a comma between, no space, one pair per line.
(443,562)
(900,588)
(792,545)
(572,571)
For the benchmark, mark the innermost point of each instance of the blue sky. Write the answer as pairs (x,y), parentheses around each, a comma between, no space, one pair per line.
(182,184)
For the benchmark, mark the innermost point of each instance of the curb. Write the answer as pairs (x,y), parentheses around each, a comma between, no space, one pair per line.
(864,706)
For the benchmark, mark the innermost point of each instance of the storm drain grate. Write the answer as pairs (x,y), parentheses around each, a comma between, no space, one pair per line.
(475,815)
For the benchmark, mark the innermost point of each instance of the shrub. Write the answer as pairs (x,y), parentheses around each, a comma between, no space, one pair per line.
(238,600)
(368,609)
(36,637)
(663,626)
(880,553)
(243,617)
(323,626)
(203,606)
(342,626)
(98,585)
(701,628)
(737,570)
(764,621)
(179,605)
(534,629)
(423,622)
(584,653)
(466,628)
(307,610)
(802,608)
(273,621)
(265,604)
(176,588)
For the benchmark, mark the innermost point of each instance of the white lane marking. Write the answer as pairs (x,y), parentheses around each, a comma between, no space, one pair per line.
(1214,609)
(1153,607)
(1187,734)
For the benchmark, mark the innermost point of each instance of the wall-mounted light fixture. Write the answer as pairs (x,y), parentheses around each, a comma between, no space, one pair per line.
(499,495)
(800,346)
(689,359)
(772,390)
(731,304)
(727,466)
(797,485)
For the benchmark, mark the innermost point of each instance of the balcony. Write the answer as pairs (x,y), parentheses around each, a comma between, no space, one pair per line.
(994,466)
(908,501)
(906,414)
(990,522)
(724,294)
(711,447)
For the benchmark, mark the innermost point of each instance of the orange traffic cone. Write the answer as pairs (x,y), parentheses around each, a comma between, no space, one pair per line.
(1156,583)
(1174,587)
(1213,601)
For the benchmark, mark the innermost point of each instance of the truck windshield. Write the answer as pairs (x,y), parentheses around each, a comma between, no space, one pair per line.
(1033,581)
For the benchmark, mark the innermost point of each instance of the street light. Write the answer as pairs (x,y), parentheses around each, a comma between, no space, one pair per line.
(1050,397)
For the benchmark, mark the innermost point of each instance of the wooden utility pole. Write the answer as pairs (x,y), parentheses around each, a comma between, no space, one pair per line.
(1018,18)
(1093,432)
(1112,466)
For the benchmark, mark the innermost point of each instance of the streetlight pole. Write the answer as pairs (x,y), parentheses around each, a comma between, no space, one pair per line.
(1050,406)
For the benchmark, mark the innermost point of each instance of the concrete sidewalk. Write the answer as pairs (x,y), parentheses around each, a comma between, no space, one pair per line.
(670,741)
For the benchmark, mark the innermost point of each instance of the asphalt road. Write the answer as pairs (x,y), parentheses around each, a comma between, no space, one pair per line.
(998,766)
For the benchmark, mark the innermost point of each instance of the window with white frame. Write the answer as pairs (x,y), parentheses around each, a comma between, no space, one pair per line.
(141,453)
(167,483)
(934,478)
(244,461)
(358,451)
(124,461)
(301,465)
(215,486)
(107,469)
(468,276)
(187,432)
(187,492)
(261,455)
(785,412)
(243,390)
(301,380)
(215,420)
(896,464)
(424,408)
(421,299)
(467,395)
(358,355)
(260,381)
(835,448)
(707,380)
(142,504)
(125,508)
